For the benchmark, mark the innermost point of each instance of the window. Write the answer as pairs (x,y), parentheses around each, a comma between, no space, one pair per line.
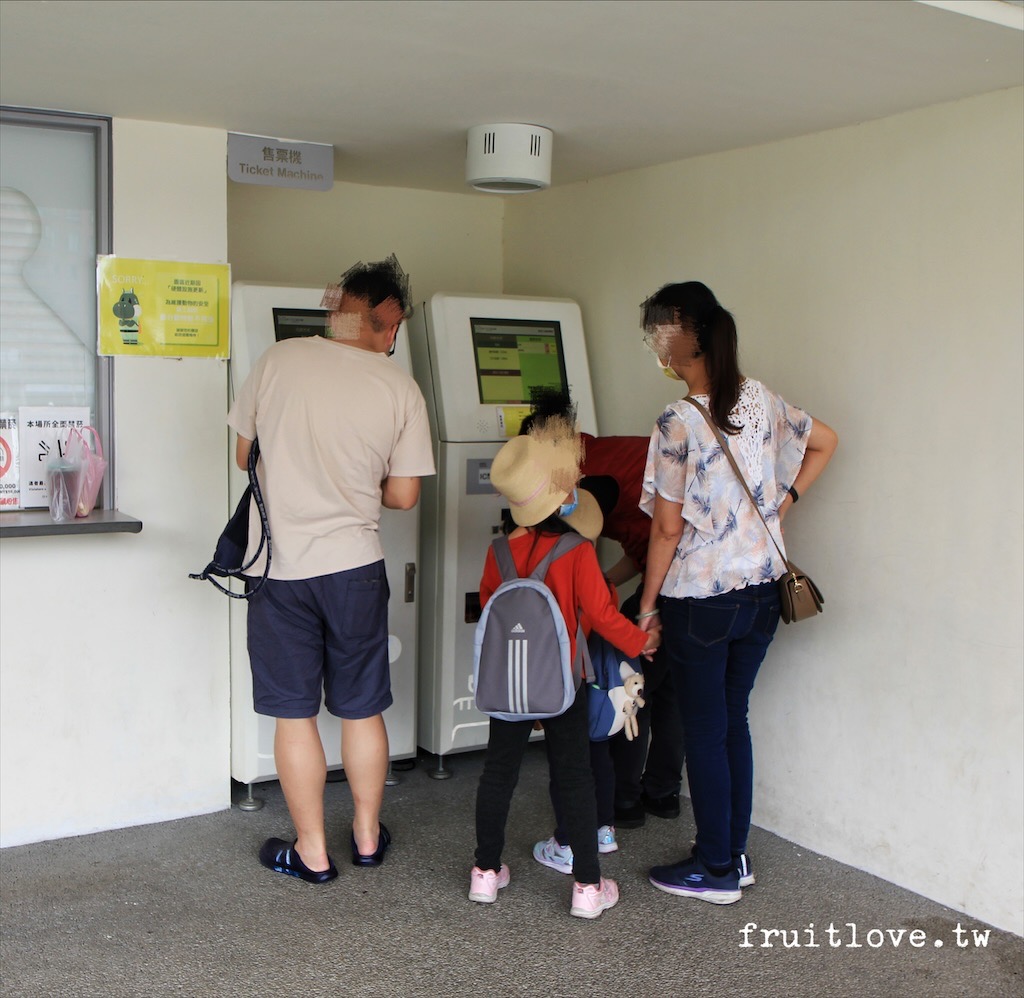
(56,218)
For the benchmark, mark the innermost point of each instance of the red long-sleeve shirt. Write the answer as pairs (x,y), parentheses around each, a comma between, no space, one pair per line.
(623,459)
(578,585)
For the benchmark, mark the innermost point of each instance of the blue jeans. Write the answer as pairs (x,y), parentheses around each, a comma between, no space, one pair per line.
(715,647)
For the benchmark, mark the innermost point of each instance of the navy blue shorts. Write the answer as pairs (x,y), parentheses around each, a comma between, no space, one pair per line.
(323,639)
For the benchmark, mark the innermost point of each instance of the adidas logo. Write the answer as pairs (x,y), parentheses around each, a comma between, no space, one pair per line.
(518,629)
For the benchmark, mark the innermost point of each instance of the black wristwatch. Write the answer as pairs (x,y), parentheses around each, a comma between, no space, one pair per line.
(793,492)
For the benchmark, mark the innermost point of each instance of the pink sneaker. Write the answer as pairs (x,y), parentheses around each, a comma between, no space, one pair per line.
(589,900)
(485,884)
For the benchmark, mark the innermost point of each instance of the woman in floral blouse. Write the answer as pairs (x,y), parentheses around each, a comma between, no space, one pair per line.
(711,566)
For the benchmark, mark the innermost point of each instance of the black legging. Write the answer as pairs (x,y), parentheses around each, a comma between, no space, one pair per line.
(569,758)
(604,789)
(653,761)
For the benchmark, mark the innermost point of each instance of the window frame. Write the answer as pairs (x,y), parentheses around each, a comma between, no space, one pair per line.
(101,128)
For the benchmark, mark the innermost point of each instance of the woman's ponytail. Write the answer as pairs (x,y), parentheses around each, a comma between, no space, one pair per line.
(721,350)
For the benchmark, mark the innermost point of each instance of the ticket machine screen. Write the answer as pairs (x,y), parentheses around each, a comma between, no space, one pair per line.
(514,356)
(291,322)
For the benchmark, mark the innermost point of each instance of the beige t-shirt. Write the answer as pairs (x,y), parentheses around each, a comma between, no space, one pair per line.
(333,422)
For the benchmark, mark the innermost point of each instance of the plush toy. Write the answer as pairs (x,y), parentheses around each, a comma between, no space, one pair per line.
(616,693)
(628,698)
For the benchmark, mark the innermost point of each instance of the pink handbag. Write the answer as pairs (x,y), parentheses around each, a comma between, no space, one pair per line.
(93,465)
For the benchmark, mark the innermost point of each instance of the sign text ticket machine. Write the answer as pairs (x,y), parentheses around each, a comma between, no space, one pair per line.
(476,360)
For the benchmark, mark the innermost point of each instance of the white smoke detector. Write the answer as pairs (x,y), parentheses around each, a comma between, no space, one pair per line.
(509,158)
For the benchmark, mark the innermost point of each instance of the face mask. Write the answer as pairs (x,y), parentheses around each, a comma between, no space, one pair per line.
(568,508)
(667,371)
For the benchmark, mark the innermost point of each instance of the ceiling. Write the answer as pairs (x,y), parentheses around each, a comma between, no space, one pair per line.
(393,85)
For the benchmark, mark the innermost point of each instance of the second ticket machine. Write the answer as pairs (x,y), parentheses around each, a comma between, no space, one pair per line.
(476,360)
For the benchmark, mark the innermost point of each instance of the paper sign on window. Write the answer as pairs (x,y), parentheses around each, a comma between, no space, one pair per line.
(160,308)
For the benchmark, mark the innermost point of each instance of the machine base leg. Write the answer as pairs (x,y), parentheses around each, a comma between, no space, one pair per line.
(392,779)
(248,802)
(440,773)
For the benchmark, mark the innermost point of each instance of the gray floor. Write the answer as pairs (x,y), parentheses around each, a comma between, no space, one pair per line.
(183,908)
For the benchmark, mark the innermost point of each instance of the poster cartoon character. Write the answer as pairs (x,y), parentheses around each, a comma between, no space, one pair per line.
(127,310)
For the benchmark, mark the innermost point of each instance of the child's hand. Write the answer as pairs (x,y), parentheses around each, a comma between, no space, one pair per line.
(653,642)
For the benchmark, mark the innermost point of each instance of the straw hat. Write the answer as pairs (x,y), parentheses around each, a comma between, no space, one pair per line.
(535,475)
(586,519)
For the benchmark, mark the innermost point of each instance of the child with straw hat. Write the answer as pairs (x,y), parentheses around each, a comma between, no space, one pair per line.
(537,474)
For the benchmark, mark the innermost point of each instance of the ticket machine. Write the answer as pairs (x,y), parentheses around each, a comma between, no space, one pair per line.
(476,360)
(261,315)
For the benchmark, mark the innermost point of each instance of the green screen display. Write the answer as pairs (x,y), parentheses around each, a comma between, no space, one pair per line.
(514,356)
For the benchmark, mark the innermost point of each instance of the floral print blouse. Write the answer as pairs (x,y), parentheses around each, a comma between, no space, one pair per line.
(724,545)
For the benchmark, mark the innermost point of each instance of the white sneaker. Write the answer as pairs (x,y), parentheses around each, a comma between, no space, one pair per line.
(589,900)
(485,884)
(550,853)
(606,839)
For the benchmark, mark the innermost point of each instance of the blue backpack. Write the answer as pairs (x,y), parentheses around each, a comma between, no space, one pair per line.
(616,690)
(522,666)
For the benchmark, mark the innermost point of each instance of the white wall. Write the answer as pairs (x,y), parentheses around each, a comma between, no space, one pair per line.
(114,700)
(876,277)
(445,242)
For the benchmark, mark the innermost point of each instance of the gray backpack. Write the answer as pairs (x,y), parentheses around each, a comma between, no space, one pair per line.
(522,666)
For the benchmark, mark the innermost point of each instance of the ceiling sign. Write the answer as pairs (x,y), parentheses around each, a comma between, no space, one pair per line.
(257,159)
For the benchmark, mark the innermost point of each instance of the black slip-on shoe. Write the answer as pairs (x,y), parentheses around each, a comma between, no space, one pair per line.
(375,858)
(281,857)
(662,807)
(630,817)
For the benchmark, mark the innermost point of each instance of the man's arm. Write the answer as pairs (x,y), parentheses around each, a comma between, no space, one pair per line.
(242,448)
(399,493)
(622,571)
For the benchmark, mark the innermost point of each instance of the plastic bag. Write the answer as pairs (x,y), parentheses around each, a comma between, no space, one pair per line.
(63,486)
(92,464)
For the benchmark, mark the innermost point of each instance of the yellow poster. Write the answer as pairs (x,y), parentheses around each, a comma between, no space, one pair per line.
(163,308)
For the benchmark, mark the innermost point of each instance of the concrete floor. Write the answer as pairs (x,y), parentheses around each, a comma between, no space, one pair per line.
(184,908)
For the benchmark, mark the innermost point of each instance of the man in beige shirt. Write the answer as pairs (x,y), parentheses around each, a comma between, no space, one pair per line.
(343,432)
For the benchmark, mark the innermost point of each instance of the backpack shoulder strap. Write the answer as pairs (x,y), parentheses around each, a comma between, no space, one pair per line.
(503,557)
(563,545)
(586,664)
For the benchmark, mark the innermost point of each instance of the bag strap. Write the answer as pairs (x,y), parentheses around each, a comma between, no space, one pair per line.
(739,474)
(95,439)
(257,495)
(507,566)
(563,545)
(503,556)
